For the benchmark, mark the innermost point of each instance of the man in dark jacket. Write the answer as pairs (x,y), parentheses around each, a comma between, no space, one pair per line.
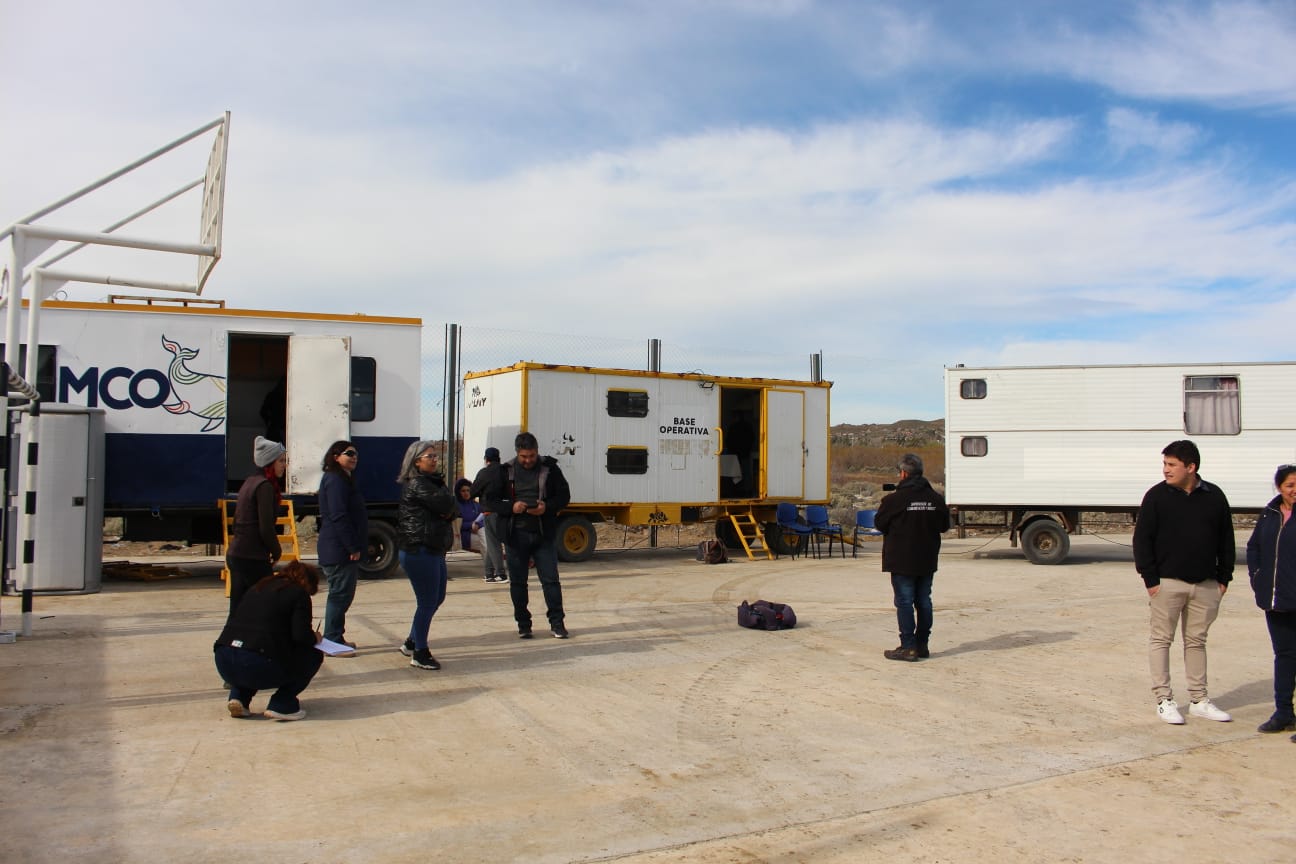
(911,520)
(1184,550)
(527,494)
(492,548)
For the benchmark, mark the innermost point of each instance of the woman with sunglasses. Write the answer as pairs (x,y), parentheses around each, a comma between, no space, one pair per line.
(1271,563)
(424,522)
(343,531)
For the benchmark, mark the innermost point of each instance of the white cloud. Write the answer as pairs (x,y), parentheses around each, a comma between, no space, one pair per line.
(627,175)
(1130,130)
(1232,54)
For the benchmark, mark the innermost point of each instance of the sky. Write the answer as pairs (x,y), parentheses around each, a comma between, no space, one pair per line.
(902,186)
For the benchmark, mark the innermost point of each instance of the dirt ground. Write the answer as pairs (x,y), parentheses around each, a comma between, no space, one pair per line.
(660,732)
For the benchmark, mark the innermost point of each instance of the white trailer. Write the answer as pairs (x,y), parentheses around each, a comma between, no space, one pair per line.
(187,384)
(1040,445)
(658,448)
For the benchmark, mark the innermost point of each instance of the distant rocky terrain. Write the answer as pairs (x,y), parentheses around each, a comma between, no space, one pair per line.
(902,433)
(864,457)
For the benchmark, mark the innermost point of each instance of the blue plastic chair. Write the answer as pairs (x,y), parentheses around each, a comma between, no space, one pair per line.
(863,528)
(795,533)
(821,526)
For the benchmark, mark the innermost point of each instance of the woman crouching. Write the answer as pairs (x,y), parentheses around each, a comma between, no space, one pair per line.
(269,642)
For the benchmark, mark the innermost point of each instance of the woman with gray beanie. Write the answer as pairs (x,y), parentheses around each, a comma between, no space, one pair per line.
(254,546)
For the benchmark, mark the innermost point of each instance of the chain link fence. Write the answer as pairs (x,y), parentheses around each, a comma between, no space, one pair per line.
(484,348)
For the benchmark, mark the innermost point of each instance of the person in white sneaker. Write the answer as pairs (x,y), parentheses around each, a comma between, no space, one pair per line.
(1184,550)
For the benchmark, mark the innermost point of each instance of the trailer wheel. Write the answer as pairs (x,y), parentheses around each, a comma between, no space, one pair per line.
(380,558)
(1045,542)
(576,538)
(727,534)
(775,540)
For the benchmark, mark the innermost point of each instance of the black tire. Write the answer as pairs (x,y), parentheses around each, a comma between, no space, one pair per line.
(381,557)
(576,538)
(727,534)
(1045,542)
(775,540)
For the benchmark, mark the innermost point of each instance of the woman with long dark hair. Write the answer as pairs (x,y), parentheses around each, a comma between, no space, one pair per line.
(427,511)
(1271,563)
(343,531)
(269,642)
(254,546)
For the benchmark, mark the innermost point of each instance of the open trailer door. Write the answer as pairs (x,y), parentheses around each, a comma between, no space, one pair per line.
(784,454)
(319,405)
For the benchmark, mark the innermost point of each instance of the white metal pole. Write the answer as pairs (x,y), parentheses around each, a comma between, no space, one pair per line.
(31,453)
(184,139)
(13,300)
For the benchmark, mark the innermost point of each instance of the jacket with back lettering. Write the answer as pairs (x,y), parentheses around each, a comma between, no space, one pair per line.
(911,520)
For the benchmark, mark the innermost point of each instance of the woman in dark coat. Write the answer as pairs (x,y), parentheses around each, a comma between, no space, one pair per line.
(343,530)
(269,642)
(1271,563)
(427,511)
(254,546)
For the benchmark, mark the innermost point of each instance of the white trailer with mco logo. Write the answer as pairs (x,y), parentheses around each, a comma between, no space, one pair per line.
(658,448)
(1041,445)
(186,385)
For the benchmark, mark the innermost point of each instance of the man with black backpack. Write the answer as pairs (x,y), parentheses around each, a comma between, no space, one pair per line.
(911,519)
(527,494)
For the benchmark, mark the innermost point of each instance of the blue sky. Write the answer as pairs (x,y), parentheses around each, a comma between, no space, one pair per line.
(903,186)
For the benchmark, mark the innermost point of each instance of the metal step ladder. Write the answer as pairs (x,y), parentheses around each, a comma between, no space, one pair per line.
(285,522)
(750,535)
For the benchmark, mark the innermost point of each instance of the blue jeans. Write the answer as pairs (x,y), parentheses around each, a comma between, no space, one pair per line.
(521,548)
(247,672)
(427,575)
(341,591)
(913,608)
(1282,632)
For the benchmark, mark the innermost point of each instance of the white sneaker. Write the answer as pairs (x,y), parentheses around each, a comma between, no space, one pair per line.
(1206,708)
(1168,710)
(299,714)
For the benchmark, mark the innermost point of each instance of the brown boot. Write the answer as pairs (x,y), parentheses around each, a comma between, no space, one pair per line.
(909,655)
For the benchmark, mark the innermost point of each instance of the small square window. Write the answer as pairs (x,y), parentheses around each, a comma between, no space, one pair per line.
(972,388)
(627,460)
(627,403)
(1212,405)
(974,445)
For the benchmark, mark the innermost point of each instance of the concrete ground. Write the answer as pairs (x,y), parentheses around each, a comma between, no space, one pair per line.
(660,732)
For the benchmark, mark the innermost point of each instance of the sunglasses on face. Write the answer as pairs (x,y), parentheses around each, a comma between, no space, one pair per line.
(351,453)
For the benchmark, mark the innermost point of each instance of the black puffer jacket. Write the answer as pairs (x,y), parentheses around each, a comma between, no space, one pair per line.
(427,511)
(911,520)
(1271,560)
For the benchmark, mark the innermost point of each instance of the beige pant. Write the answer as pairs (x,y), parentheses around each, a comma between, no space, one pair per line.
(1194,607)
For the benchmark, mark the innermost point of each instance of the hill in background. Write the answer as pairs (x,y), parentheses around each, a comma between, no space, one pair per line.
(864,457)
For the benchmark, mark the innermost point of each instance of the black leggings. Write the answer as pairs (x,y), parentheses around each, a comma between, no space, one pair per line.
(244,573)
